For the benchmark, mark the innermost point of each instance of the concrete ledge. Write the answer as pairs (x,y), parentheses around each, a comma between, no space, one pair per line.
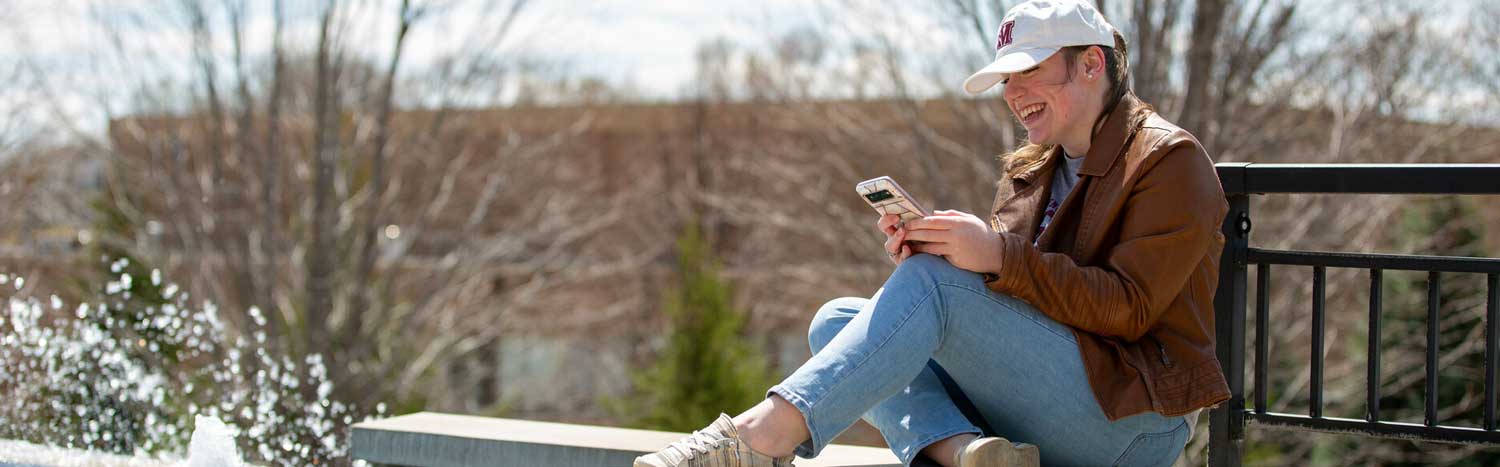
(442,440)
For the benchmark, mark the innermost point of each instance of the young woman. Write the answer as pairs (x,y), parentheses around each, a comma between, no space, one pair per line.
(1077,320)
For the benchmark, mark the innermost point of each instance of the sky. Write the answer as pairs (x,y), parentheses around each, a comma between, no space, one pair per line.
(648,42)
(646,45)
(652,43)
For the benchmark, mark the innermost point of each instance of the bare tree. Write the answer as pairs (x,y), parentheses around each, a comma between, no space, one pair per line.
(1208,20)
(366,205)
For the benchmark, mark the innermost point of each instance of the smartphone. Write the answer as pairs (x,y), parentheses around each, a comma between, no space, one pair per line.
(887,197)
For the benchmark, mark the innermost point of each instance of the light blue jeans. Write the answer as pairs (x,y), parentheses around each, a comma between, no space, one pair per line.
(1021,370)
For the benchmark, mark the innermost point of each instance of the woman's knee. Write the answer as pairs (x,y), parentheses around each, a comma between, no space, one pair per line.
(924,260)
(830,319)
(932,268)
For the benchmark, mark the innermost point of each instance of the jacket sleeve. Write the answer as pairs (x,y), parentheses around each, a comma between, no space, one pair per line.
(1170,220)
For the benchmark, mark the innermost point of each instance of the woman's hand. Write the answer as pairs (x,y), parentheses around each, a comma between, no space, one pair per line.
(963,239)
(896,248)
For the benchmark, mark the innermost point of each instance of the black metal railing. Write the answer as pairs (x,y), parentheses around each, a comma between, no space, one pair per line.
(1240,180)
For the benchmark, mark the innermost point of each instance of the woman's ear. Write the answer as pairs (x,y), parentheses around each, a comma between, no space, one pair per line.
(1093,61)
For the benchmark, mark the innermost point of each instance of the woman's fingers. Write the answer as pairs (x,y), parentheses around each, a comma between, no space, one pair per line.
(894,241)
(938,249)
(887,223)
(902,252)
(930,223)
(926,235)
(905,253)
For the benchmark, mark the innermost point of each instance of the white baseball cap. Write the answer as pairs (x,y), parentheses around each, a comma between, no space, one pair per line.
(1035,30)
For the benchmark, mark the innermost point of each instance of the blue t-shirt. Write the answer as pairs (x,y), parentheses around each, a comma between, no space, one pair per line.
(1063,181)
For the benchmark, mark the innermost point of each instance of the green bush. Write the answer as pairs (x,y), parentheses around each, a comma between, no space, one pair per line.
(707,365)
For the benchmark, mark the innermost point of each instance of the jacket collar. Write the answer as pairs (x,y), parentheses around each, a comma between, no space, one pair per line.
(1109,142)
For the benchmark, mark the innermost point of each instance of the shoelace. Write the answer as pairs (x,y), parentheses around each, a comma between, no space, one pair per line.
(699,442)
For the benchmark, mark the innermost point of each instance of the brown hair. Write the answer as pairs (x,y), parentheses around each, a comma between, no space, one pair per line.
(1116,68)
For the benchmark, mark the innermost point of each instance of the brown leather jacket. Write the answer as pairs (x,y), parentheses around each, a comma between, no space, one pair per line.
(1130,261)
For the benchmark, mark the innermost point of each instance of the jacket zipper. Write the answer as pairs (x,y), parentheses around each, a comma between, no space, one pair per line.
(1163,349)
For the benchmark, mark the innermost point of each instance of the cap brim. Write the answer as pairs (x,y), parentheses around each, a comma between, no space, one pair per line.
(1011,62)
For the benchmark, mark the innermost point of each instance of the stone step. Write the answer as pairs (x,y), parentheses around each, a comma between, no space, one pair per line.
(429,439)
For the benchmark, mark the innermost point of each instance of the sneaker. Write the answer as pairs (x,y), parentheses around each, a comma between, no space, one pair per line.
(718,445)
(999,452)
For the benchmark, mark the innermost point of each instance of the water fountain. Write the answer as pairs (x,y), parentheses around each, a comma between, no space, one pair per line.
(131,381)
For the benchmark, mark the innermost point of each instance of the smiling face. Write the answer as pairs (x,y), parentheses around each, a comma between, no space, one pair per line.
(1058,104)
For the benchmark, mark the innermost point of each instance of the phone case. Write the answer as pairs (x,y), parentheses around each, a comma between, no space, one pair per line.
(887,197)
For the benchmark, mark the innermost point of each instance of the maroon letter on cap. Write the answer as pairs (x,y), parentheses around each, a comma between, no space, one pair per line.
(1005,34)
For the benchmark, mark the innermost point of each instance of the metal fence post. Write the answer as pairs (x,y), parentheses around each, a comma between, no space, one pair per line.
(1227,421)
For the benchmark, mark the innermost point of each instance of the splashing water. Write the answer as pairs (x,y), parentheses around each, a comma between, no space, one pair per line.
(124,378)
(212,444)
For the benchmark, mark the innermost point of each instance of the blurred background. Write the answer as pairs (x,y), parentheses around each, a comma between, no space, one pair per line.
(591,210)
